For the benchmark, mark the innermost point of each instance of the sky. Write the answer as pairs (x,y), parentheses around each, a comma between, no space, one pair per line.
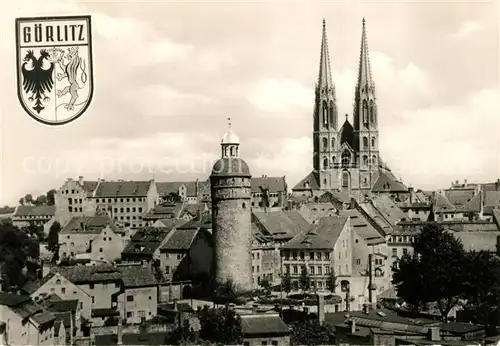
(167,76)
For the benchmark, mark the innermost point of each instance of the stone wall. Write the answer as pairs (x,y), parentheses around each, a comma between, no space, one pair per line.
(134,329)
(231,220)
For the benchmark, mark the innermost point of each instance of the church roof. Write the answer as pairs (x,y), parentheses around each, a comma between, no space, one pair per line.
(387,182)
(347,134)
(309,182)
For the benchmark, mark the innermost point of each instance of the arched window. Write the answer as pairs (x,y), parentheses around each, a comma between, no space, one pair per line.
(346,158)
(325,143)
(331,112)
(325,163)
(233,151)
(333,143)
(365,143)
(345,180)
(324,181)
(334,159)
(365,112)
(365,160)
(374,160)
(373,142)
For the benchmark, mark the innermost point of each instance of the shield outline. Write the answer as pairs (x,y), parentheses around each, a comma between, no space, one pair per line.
(20,20)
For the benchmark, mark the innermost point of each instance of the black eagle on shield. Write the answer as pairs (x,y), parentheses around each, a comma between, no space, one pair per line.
(37,80)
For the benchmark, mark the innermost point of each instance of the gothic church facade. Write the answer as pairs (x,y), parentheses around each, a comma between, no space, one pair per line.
(346,158)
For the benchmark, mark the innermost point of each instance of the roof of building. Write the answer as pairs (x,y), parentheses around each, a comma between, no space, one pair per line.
(387,182)
(159,338)
(10,299)
(321,235)
(492,198)
(170,223)
(196,223)
(34,210)
(370,211)
(168,187)
(347,134)
(54,303)
(385,205)
(90,225)
(230,167)
(271,184)
(165,211)
(230,138)
(478,240)
(263,324)
(89,274)
(180,240)
(137,276)
(31,286)
(27,308)
(280,224)
(89,186)
(7,210)
(309,182)
(146,241)
(362,227)
(122,189)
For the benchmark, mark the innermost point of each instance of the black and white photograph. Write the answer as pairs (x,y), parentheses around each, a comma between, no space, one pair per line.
(250,173)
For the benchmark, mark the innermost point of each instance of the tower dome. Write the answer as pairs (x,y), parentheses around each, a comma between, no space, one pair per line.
(230,138)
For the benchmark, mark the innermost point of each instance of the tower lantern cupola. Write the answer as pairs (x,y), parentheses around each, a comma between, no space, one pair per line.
(230,143)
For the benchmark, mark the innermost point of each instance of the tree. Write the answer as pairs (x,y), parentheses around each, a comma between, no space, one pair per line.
(53,240)
(304,280)
(21,201)
(432,271)
(220,325)
(15,249)
(266,285)
(481,291)
(28,199)
(310,332)
(40,200)
(173,197)
(286,283)
(51,197)
(331,282)
(183,335)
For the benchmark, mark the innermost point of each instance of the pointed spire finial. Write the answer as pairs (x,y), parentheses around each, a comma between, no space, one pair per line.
(229,123)
(325,74)
(364,72)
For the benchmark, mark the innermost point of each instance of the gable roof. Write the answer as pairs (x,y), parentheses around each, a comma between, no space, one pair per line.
(387,182)
(31,286)
(272,184)
(89,225)
(137,276)
(309,182)
(122,189)
(89,274)
(280,225)
(385,205)
(89,186)
(263,324)
(362,227)
(196,223)
(180,240)
(373,214)
(34,210)
(146,241)
(347,134)
(321,235)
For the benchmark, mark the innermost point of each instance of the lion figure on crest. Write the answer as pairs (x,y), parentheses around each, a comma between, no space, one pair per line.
(71,71)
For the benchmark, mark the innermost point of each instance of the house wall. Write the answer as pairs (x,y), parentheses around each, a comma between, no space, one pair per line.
(124,209)
(144,302)
(101,293)
(67,290)
(341,260)
(169,261)
(24,221)
(71,191)
(422,214)
(107,246)
(256,264)
(75,243)
(278,340)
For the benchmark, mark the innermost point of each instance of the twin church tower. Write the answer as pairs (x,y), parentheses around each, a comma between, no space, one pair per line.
(345,158)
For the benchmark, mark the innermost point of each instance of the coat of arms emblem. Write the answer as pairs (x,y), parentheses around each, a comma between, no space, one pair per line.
(54,67)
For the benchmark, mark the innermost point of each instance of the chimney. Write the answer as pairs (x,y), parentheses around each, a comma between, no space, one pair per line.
(434,334)
(321,309)
(353,203)
(353,325)
(80,180)
(254,308)
(119,340)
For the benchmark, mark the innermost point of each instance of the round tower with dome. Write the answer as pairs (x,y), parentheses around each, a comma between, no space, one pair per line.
(231,217)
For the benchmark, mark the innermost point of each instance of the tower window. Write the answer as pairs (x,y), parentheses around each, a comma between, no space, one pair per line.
(325,114)
(346,158)
(372,111)
(365,160)
(324,181)
(374,159)
(325,143)
(244,205)
(233,151)
(325,163)
(365,142)
(365,112)
(333,160)
(333,143)
(373,142)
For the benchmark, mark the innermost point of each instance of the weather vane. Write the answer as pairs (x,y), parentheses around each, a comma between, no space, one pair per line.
(229,123)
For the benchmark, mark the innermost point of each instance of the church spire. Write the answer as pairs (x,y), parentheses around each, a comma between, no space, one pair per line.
(325,73)
(365,82)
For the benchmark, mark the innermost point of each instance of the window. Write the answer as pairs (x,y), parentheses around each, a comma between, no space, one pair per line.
(373,142)
(63,290)
(325,143)
(395,252)
(333,143)
(58,282)
(91,286)
(405,251)
(327,255)
(365,142)
(345,180)
(100,249)
(274,342)
(311,255)
(311,270)
(358,261)
(130,314)
(320,270)
(246,343)
(93,299)
(346,158)
(325,163)
(302,255)
(264,342)
(130,298)
(295,270)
